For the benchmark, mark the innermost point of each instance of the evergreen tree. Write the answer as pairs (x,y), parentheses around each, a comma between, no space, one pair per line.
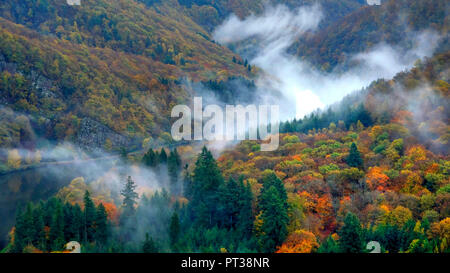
(207,180)
(329,246)
(163,156)
(274,220)
(77,223)
(20,232)
(245,216)
(69,227)
(129,198)
(174,229)
(150,158)
(271,179)
(149,246)
(351,235)
(57,229)
(102,227)
(354,158)
(229,204)
(39,234)
(174,167)
(89,218)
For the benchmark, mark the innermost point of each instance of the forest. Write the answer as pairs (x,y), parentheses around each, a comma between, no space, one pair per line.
(86,94)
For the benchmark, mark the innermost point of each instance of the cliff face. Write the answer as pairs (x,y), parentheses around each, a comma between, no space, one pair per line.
(95,137)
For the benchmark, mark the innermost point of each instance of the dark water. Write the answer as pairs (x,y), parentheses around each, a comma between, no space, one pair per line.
(19,188)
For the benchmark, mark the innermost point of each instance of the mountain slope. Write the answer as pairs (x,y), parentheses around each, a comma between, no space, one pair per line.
(357,32)
(101,66)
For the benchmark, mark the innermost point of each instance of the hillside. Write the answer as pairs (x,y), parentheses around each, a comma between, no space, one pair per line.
(391,23)
(109,69)
(378,170)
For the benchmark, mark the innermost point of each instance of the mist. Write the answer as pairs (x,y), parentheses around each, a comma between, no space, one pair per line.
(264,39)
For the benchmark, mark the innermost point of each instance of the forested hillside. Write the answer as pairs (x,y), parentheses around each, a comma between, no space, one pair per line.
(375,173)
(391,23)
(86,155)
(109,63)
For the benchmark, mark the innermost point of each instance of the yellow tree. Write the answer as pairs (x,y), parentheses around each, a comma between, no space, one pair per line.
(14,159)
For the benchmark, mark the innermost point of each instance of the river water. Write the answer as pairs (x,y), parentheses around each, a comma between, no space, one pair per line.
(19,188)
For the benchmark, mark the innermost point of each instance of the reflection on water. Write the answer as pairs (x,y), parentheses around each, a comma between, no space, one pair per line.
(16,189)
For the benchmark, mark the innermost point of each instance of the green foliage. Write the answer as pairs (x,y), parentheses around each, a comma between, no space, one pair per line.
(354,158)
(351,238)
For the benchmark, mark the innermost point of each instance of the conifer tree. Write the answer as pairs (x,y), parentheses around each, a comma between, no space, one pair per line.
(174,230)
(245,216)
(274,220)
(163,156)
(89,218)
(351,235)
(207,180)
(102,227)
(57,229)
(149,246)
(354,158)
(129,198)
(174,168)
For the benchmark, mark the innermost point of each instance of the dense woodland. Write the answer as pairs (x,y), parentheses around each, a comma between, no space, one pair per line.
(373,167)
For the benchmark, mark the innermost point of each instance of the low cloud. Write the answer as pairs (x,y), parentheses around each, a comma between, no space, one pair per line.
(264,39)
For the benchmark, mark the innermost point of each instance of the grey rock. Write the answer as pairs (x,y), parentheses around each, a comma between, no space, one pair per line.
(92,136)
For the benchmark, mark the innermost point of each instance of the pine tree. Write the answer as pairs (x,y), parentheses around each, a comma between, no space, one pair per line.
(77,223)
(354,158)
(149,246)
(174,229)
(38,222)
(163,156)
(102,227)
(271,179)
(150,158)
(274,220)
(207,180)
(57,229)
(329,246)
(245,216)
(351,235)
(229,204)
(174,167)
(20,232)
(129,198)
(89,218)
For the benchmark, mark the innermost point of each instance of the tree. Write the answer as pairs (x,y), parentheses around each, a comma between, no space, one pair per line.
(329,246)
(150,158)
(351,235)
(245,217)
(229,203)
(354,158)
(174,229)
(274,220)
(57,229)
(300,241)
(102,226)
(174,167)
(77,222)
(271,179)
(207,180)
(163,156)
(14,159)
(129,198)
(149,246)
(89,218)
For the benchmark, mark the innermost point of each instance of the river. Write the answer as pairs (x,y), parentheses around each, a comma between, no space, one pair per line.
(19,188)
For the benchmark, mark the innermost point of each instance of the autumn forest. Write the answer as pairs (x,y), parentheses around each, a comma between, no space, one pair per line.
(87,153)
